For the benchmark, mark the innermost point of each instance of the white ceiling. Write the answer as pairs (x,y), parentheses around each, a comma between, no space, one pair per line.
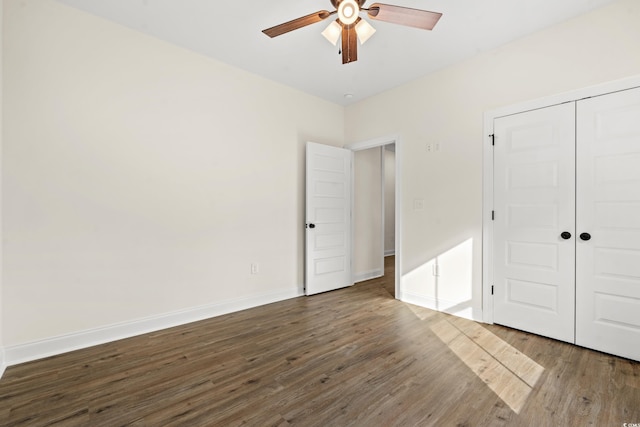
(230,31)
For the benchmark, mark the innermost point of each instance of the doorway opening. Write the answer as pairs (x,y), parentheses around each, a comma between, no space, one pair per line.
(376,211)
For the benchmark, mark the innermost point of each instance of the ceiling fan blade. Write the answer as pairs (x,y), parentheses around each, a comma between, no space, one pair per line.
(416,18)
(349,44)
(297,23)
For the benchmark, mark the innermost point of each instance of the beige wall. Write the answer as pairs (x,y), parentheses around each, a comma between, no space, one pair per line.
(141,178)
(389,201)
(447,107)
(368,241)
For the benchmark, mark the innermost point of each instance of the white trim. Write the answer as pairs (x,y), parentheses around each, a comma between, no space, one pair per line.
(379,142)
(399,216)
(57,345)
(373,143)
(419,300)
(353,210)
(574,95)
(389,252)
(487,222)
(368,275)
(487,168)
(383,218)
(436,304)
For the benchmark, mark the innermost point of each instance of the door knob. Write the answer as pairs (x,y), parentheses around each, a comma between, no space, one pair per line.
(585,236)
(565,235)
(311,226)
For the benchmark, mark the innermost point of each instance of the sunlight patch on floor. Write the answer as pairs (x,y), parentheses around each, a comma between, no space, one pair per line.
(421,313)
(507,372)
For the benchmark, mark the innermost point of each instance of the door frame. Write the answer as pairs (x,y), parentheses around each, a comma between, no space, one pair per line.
(375,143)
(488,168)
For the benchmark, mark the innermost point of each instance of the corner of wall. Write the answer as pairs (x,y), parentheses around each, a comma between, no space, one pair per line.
(3,362)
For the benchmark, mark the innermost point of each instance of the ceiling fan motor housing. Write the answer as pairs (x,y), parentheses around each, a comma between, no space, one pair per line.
(335,3)
(348,11)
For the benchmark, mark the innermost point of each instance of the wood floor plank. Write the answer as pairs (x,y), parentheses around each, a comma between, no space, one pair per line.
(354,357)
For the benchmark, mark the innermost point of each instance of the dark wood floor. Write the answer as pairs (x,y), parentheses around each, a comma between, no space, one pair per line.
(353,357)
(389,271)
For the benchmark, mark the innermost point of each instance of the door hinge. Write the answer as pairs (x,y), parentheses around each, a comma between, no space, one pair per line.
(493,139)
(493,215)
(491,289)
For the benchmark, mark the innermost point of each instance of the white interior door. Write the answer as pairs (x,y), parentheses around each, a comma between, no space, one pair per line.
(608,209)
(328,218)
(534,200)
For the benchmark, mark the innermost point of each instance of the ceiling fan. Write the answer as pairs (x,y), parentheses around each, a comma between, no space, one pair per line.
(351,27)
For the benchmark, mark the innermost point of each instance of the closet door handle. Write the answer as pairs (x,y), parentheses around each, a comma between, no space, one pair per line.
(585,236)
(565,235)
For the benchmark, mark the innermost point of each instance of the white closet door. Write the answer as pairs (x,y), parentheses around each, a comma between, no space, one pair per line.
(534,200)
(608,209)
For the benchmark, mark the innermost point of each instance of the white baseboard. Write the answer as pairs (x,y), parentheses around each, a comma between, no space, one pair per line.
(442,305)
(368,275)
(389,252)
(422,301)
(57,345)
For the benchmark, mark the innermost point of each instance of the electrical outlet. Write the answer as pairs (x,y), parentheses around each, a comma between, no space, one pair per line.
(437,146)
(254,268)
(429,148)
(418,204)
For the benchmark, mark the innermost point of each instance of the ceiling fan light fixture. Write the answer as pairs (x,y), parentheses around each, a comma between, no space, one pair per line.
(348,11)
(333,32)
(364,31)
(350,27)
